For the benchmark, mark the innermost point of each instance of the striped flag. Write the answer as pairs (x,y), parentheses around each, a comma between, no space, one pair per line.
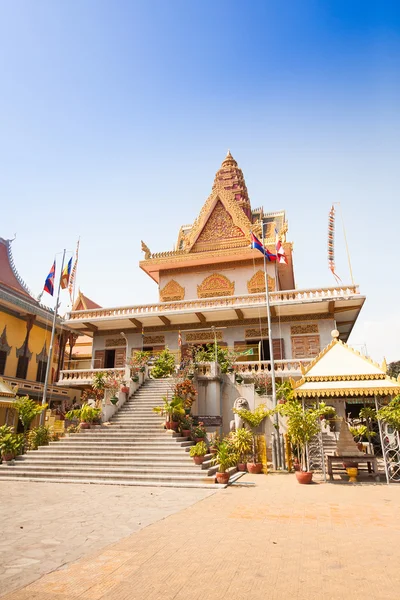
(279,250)
(49,283)
(66,275)
(331,242)
(71,284)
(179,339)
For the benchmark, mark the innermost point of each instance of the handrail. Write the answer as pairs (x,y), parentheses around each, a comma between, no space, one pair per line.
(281,296)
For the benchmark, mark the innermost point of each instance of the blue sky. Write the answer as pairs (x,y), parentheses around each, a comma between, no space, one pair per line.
(115,116)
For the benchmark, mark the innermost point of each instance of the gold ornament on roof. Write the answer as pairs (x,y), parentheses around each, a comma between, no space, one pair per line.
(146,250)
(172,292)
(256,284)
(215,285)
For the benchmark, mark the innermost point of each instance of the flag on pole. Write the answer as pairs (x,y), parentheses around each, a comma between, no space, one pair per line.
(66,274)
(72,277)
(255,243)
(49,283)
(280,253)
(179,338)
(331,242)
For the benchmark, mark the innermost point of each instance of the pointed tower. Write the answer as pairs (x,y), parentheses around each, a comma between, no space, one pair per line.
(230,177)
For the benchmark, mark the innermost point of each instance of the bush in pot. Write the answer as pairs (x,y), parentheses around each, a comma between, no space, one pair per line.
(198,433)
(39,436)
(225,458)
(27,410)
(86,415)
(303,425)
(242,441)
(164,365)
(198,452)
(8,446)
(253,419)
(138,362)
(172,410)
(185,425)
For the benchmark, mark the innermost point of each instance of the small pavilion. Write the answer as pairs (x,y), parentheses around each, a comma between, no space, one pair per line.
(340,376)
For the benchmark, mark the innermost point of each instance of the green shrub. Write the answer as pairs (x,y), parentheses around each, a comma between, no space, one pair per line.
(164,365)
(39,436)
(200,449)
(27,410)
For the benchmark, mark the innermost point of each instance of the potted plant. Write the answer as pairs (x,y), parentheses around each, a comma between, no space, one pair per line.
(215,440)
(164,365)
(86,415)
(262,382)
(198,452)
(27,410)
(303,425)
(185,425)
(173,411)
(225,458)
(185,389)
(134,375)
(99,380)
(242,440)
(124,387)
(253,419)
(138,362)
(198,433)
(8,446)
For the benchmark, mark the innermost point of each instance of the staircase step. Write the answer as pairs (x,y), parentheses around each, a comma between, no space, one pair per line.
(105,475)
(130,482)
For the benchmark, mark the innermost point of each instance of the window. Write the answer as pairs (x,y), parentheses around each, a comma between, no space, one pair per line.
(109,362)
(3,359)
(41,371)
(22,367)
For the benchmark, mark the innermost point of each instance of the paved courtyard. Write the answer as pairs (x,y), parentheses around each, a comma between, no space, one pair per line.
(276,540)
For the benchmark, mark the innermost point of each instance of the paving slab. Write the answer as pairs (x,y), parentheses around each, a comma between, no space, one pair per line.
(276,540)
(45,526)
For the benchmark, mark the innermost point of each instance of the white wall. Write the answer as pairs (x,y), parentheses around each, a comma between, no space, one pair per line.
(239,275)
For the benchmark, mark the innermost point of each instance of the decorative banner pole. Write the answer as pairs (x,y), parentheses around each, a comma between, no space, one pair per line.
(48,366)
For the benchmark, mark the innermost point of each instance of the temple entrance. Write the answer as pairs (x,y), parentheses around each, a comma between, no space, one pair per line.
(109,359)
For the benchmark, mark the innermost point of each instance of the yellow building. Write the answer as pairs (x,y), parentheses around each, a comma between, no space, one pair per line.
(25,330)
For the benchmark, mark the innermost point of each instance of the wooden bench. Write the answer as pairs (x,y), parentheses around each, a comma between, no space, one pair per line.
(369,459)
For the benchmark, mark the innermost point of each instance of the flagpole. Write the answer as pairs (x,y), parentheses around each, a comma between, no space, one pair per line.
(48,366)
(271,345)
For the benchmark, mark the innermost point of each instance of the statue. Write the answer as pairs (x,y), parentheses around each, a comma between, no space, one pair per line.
(237,422)
(146,250)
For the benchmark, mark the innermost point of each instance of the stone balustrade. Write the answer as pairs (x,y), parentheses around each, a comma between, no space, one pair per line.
(71,377)
(285,296)
(283,368)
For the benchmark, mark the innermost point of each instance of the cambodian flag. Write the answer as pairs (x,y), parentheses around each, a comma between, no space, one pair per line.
(49,283)
(255,243)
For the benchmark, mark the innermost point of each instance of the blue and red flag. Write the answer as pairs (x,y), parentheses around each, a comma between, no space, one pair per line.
(255,243)
(49,283)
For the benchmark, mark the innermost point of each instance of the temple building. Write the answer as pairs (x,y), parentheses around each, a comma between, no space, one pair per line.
(25,330)
(212,287)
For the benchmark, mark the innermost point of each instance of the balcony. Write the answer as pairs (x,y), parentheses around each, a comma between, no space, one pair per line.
(342,303)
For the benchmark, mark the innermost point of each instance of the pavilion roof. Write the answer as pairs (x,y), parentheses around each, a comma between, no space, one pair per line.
(341,371)
(7,394)
(84,303)
(9,276)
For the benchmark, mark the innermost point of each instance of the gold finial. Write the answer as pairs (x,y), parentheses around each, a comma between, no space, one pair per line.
(146,250)
(229,160)
(384,365)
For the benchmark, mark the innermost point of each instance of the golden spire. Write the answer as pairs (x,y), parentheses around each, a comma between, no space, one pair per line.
(230,177)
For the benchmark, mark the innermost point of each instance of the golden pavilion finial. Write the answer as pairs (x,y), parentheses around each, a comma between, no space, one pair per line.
(229,161)
(146,250)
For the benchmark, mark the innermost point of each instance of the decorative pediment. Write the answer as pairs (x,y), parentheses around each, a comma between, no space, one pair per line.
(21,352)
(228,215)
(215,285)
(172,291)
(218,228)
(256,284)
(42,356)
(4,347)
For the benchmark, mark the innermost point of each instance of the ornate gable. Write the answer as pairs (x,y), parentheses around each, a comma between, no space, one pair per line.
(256,284)
(172,291)
(215,285)
(218,228)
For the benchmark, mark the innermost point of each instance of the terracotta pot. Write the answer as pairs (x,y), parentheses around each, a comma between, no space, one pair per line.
(198,460)
(222,478)
(241,466)
(172,425)
(186,432)
(85,425)
(212,450)
(125,389)
(254,468)
(304,476)
(296,466)
(7,456)
(197,440)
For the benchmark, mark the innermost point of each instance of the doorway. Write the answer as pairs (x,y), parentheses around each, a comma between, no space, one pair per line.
(109,359)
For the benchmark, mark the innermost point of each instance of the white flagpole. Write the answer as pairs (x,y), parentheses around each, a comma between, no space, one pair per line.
(271,345)
(49,360)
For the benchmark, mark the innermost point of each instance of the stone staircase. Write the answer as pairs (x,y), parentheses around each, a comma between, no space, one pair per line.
(133,449)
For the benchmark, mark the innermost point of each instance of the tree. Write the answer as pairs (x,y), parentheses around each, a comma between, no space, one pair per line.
(27,410)
(393,369)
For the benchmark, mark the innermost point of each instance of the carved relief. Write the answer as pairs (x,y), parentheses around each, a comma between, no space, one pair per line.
(172,291)
(215,285)
(299,329)
(203,336)
(256,333)
(4,347)
(256,284)
(115,342)
(149,340)
(219,227)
